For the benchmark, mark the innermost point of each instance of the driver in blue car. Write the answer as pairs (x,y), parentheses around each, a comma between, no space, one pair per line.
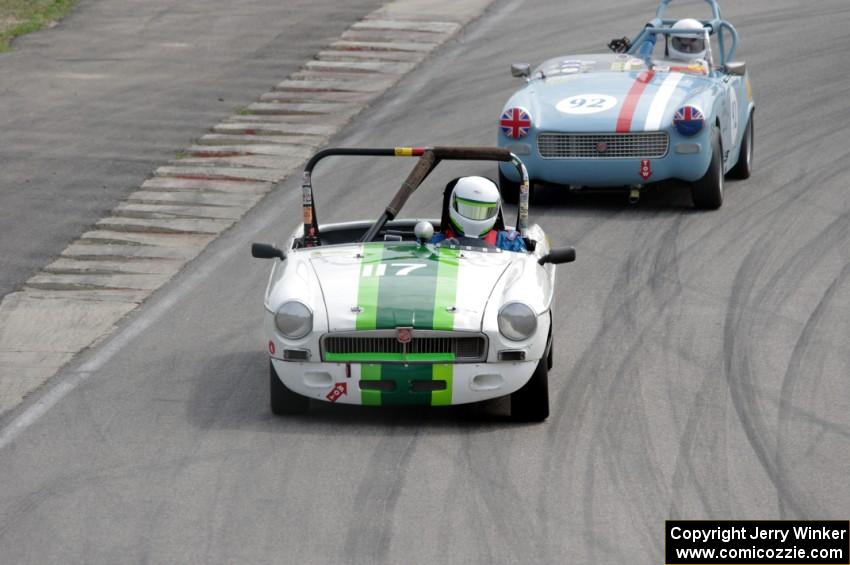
(473,210)
(688,47)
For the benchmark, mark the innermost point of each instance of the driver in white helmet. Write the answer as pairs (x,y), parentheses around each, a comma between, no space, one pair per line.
(473,209)
(688,47)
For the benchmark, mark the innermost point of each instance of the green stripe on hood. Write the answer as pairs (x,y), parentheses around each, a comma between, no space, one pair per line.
(407,286)
(407,289)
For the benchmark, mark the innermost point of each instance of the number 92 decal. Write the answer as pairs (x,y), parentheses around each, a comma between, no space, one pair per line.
(586,104)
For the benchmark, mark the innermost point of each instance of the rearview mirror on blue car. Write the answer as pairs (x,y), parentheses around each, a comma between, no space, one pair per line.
(736,68)
(521,70)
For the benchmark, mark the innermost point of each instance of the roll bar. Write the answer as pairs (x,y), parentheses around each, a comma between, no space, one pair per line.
(429,158)
(661,26)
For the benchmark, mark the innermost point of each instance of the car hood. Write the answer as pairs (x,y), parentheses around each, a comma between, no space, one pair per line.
(391,285)
(627,101)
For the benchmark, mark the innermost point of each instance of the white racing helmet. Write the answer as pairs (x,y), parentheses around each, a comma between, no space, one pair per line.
(687,47)
(474,206)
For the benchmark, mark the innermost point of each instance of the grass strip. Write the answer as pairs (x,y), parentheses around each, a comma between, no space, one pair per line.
(18,17)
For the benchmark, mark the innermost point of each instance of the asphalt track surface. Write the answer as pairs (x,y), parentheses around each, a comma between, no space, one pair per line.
(702,359)
(92,108)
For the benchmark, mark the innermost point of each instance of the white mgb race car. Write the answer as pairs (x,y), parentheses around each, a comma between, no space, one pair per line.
(410,311)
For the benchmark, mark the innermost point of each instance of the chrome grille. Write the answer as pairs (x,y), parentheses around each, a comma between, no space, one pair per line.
(465,347)
(644,145)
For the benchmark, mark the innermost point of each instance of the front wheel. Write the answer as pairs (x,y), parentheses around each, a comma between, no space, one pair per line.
(508,188)
(284,402)
(707,192)
(744,167)
(531,402)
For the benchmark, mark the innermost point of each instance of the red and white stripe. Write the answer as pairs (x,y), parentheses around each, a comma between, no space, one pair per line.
(630,104)
(662,101)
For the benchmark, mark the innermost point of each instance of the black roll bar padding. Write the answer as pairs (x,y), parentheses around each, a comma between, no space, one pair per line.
(422,169)
(472,153)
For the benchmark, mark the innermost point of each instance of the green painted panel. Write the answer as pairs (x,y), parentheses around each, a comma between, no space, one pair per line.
(402,375)
(442,373)
(370,373)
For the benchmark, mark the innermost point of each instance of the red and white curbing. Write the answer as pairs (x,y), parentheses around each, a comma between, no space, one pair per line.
(75,302)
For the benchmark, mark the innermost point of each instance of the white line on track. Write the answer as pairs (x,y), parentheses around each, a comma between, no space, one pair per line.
(67,381)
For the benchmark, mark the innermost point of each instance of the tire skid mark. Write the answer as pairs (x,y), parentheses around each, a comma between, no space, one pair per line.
(737,363)
(24,507)
(707,390)
(370,532)
(740,376)
(459,495)
(66,484)
(794,377)
(627,417)
(707,477)
(604,337)
(507,510)
(621,325)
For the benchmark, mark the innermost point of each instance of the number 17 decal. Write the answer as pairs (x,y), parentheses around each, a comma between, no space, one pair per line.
(400,269)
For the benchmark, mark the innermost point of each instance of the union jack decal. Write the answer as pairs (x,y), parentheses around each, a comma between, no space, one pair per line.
(515,123)
(689,120)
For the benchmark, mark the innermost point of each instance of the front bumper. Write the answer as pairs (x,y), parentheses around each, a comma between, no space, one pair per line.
(398,384)
(687,159)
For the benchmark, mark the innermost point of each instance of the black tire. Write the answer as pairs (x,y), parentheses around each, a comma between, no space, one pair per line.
(707,192)
(508,188)
(744,167)
(531,402)
(284,402)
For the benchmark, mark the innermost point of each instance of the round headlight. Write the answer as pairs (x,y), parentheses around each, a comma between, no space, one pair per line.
(294,319)
(517,321)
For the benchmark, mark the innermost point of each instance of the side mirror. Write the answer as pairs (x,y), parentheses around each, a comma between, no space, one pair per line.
(266,251)
(738,69)
(521,70)
(559,256)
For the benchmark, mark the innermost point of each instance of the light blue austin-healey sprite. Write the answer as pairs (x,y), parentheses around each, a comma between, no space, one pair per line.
(672,103)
